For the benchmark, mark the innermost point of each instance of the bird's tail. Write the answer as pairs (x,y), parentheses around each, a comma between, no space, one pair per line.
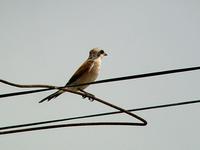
(52,96)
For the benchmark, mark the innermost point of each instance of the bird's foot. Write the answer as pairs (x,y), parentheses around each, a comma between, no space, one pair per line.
(88,95)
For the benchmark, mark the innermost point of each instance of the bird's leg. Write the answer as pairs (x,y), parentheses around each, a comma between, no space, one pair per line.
(86,94)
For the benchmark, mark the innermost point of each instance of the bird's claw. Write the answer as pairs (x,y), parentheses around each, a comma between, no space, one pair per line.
(89,96)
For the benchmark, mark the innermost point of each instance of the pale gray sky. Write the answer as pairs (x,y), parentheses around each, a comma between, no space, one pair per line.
(44,41)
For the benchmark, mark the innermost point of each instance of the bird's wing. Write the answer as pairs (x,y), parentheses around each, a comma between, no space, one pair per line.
(85,67)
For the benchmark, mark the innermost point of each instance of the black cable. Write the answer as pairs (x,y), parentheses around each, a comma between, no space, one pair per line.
(83,117)
(99,81)
(69,125)
(142,123)
(141,76)
(121,110)
(23,93)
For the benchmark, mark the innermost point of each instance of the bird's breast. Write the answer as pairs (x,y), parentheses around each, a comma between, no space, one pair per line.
(89,76)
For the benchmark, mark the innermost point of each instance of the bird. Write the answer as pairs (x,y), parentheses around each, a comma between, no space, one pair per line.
(87,72)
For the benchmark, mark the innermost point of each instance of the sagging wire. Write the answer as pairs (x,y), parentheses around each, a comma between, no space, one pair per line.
(120,110)
(83,117)
(142,122)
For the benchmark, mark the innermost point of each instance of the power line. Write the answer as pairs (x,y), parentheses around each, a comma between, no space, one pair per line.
(142,122)
(12,129)
(145,75)
(50,87)
(23,93)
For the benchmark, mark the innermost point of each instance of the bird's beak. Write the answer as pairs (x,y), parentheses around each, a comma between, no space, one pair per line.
(105,54)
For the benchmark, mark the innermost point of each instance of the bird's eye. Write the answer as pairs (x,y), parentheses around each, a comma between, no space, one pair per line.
(101,52)
(91,52)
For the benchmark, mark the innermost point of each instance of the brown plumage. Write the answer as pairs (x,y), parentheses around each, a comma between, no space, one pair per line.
(87,72)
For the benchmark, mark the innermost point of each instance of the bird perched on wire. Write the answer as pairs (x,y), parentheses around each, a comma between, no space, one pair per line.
(87,72)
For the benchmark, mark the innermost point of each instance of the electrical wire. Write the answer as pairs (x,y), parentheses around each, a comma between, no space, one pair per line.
(9,129)
(84,117)
(50,87)
(142,122)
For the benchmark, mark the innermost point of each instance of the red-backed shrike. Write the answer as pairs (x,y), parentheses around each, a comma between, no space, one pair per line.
(87,72)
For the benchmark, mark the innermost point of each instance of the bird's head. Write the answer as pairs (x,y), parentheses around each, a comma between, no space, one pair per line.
(96,53)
